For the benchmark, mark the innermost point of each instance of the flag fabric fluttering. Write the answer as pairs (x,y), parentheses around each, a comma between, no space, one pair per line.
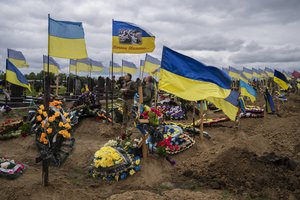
(72,65)
(234,73)
(256,73)
(247,72)
(190,79)
(17,58)
(263,73)
(97,66)
(128,67)
(53,65)
(14,76)
(84,65)
(66,39)
(151,64)
(117,67)
(281,80)
(130,38)
(269,72)
(270,107)
(248,91)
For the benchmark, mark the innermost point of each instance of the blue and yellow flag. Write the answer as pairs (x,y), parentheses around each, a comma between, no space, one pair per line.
(151,64)
(14,76)
(281,80)
(84,65)
(117,67)
(17,58)
(97,66)
(229,105)
(243,78)
(248,91)
(53,65)
(128,67)
(224,69)
(263,73)
(270,107)
(269,72)
(66,39)
(256,74)
(287,75)
(130,38)
(189,79)
(233,73)
(72,65)
(248,73)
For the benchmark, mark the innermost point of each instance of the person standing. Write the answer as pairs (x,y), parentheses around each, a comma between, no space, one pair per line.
(128,90)
(148,91)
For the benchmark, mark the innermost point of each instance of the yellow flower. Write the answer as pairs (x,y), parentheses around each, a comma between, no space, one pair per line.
(60,124)
(51,119)
(59,107)
(137,162)
(66,114)
(40,111)
(49,130)
(67,126)
(131,172)
(43,124)
(68,120)
(57,114)
(45,114)
(39,118)
(42,107)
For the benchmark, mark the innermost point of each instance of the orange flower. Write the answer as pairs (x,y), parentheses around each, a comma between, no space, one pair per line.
(59,107)
(42,107)
(40,111)
(68,120)
(51,119)
(43,124)
(39,118)
(57,114)
(60,124)
(49,130)
(66,114)
(45,114)
(67,126)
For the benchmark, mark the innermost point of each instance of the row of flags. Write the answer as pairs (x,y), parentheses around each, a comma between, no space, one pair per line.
(179,74)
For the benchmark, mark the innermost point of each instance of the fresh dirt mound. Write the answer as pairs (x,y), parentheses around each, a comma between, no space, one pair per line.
(242,171)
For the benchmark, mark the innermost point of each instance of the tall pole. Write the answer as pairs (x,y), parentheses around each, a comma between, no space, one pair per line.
(5,82)
(201,120)
(122,67)
(112,81)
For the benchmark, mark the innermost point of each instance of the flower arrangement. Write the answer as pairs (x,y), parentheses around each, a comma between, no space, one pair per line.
(57,122)
(152,114)
(115,161)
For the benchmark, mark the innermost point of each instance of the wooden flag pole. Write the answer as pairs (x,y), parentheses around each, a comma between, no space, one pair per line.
(144,137)
(194,109)
(201,121)
(57,82)
(5,82)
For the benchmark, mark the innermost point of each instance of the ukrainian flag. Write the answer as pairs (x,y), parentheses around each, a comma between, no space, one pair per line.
(129,67)
(248,73)
(229,105)
(66,39)
(248,91)
(14,76)
(53,65)
(17,58)
(256,73)
(281,80)
(270,107)
(84,65)
(130,38)
(189,79)
(234,73)
(269,72)
(288,77)
(225,70)
(72,65)
(117,67)
(151,64)
(97,66)
(263,73)
(243,78)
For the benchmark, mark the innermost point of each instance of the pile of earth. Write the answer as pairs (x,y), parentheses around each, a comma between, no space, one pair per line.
(242,171)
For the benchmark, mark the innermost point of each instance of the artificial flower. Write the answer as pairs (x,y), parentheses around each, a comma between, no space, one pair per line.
(49,130)
(42,107)
(39,118)
(60,124)
(40,111)
(45,114)
(67,126)
(51,119)
(57,114)
(117,177)
(66,114)
(137,162)
(131,172)
(68,120)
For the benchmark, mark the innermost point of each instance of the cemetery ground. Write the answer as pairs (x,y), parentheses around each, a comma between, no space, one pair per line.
(233,164)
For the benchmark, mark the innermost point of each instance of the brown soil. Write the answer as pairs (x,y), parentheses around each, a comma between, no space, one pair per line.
(228,166)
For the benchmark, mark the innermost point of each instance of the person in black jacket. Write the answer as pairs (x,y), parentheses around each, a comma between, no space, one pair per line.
(128,90)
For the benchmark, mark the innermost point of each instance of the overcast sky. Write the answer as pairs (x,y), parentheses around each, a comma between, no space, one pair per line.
(252,33)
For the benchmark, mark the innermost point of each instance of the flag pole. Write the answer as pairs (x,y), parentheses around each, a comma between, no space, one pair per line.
(112,81)
(143,69)
(122,67)
(45,169)
(5,82)
(140,69)
(201,120)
